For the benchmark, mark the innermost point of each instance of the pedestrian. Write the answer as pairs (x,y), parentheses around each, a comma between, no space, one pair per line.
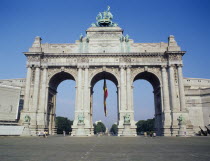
(45,134)
(64,133)
(150,134)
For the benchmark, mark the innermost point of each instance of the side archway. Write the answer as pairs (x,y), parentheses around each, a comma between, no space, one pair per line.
(156,84)
(53,84)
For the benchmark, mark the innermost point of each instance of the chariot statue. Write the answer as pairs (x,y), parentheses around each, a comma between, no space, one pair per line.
(104,19)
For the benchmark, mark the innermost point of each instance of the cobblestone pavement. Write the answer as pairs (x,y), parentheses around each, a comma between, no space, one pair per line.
(105,148)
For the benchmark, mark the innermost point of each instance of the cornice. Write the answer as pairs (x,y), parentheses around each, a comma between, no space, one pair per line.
(175,52)
(33,53)
(146,54)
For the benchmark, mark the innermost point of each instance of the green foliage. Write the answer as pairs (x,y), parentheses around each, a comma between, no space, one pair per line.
(63,124)
(100,127)
(145,126)
(113,129)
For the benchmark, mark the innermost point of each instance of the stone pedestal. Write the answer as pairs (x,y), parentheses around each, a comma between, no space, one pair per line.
(81,130)
(26,130)
(127,131)
(182,130)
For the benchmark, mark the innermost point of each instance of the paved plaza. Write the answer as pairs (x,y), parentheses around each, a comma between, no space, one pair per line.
(104,148)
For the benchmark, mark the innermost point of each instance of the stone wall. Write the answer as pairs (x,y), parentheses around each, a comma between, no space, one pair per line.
(197,92)
(11,99)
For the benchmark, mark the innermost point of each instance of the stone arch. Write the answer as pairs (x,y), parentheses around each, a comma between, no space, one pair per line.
(155,71)
(53,71)
(150,77)
(54,80)
(155,81)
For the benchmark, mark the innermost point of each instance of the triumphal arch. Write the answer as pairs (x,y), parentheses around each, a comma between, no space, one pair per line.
(105,53)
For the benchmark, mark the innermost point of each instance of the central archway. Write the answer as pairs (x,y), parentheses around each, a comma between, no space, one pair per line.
(54,82)
(155,82)
(94,83)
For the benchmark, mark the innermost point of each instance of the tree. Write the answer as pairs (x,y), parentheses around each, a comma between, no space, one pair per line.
(63,124)
(99,127)
(113,129)
(145,125)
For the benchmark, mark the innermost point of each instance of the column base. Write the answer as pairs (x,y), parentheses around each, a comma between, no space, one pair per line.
(81,130)
(182,131)
(26,130)
(127,130)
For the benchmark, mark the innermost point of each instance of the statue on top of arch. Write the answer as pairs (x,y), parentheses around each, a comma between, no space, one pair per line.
(104,19)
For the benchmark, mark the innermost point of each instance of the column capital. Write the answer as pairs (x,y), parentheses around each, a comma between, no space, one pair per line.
(86,66)
(128,66)
(37,66)
(180,65)
(172,65)
(28,65)
(82,66)
(122,66)
(163,66)
(79,66)
(44,66)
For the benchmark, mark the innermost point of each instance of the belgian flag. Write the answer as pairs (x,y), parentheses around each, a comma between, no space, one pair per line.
(105,96)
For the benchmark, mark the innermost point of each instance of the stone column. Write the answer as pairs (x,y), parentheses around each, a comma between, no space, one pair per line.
(128,107)
(42,100)
(119,96)
(27,89)
(36,88)
(181,89)
(78,101)
(79,89)
(43,90)
(86,90)
(86,98)
(132,108)
(91,111)
(172,89)
(122,88)
(165,90)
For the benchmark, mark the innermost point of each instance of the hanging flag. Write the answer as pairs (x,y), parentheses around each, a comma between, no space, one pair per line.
(105,96)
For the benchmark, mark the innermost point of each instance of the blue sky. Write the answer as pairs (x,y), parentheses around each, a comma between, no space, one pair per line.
(145,21)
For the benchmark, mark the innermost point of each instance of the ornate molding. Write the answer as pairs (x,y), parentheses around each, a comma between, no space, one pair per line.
(175,57)
(82,60)
(125,59)
(33,58)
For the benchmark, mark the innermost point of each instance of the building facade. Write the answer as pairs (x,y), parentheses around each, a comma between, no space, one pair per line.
(106,53)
